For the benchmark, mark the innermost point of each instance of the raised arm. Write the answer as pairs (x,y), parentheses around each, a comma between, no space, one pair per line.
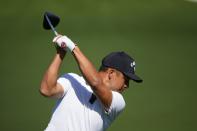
(49,86)
(93,78)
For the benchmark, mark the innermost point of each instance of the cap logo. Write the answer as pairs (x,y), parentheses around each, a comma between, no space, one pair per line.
(133,65)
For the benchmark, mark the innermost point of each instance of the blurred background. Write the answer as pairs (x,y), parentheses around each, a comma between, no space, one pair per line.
(160,35)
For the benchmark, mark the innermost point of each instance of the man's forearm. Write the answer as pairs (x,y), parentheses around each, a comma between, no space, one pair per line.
(93,78)
(87,68)
(49,80)
(52,72)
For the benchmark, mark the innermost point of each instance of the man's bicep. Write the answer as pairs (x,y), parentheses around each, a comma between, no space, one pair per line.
(61,88)
(58,91)
(105,96)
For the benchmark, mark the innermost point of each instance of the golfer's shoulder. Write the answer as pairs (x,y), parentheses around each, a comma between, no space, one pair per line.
(118,100)
(72,76)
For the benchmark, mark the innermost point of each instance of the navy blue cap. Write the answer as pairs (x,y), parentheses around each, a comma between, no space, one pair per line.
(123,63)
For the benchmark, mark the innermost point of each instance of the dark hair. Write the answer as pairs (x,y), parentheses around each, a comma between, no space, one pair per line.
(103,68)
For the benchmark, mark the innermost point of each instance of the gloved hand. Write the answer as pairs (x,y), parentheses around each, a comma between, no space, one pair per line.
(64,42)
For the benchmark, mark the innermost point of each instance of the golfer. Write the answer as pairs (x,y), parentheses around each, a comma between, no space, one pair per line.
(92,101)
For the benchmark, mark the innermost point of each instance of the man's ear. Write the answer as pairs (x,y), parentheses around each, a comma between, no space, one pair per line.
(110,73)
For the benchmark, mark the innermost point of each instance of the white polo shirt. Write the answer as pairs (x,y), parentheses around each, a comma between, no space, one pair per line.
(75,112)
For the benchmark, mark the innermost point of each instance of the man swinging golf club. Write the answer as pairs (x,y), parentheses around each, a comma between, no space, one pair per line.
(92,101)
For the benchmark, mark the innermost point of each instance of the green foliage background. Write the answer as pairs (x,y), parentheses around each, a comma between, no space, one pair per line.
(160,35)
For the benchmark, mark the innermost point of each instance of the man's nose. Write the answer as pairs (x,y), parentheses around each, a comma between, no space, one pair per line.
(125,86)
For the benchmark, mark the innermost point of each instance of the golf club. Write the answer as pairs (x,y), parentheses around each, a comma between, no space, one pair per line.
(50,22)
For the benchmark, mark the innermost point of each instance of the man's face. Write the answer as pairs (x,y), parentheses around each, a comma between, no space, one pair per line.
(118,81)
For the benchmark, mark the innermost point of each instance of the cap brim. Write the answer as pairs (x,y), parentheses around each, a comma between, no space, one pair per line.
(134,77)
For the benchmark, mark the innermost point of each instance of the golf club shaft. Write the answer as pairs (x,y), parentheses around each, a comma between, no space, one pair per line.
(48,20)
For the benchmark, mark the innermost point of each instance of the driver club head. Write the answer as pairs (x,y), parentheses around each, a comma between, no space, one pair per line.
(50,21)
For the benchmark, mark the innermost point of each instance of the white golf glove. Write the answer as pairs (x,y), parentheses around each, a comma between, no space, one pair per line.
(64,42)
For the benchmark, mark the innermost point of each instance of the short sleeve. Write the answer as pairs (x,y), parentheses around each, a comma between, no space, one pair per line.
(117,105)
(64,82)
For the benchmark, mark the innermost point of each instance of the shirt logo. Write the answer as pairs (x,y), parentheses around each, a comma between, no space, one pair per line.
(133,65)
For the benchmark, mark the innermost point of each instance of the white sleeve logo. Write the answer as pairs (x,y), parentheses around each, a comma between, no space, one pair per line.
(133,65)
